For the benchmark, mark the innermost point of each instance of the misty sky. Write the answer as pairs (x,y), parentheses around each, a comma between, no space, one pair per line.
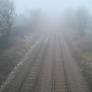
(50,6)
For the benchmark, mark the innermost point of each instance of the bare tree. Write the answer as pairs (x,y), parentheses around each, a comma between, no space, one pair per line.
(6,16)
(78,20)
(82,20)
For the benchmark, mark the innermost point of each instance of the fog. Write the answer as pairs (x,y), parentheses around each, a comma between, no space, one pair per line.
(50,6)
(45,44)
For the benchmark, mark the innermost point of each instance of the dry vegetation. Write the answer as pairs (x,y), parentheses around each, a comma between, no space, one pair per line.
(81,47)
(13,51)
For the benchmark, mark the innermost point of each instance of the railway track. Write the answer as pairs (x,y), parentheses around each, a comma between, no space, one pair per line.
(31,79)
(43,71)
(75,80)
(55,80)
(47,68)
(59,83)
(17,76)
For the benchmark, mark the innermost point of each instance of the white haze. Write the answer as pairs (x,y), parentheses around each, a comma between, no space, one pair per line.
(54,7)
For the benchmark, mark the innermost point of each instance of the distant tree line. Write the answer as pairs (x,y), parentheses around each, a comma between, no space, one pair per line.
(79,20)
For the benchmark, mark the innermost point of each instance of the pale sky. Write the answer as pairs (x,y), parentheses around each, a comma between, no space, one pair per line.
(50,6)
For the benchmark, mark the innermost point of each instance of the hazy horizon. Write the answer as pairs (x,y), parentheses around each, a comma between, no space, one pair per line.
(50,6)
